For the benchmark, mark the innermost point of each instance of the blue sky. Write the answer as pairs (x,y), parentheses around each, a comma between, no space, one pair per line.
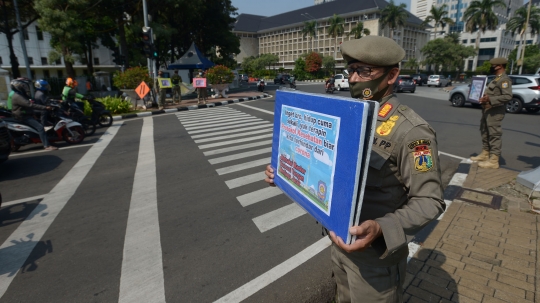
(274,7)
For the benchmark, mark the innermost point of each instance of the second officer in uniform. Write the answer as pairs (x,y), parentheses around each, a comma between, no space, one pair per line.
(497,94)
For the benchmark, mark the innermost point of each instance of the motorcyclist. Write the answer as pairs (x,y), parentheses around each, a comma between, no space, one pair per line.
(20,102)
(330,82)
(292,82)
(40,97)
(69,93)
(261,84)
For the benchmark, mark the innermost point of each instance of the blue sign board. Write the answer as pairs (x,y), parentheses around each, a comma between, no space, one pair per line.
(320,152)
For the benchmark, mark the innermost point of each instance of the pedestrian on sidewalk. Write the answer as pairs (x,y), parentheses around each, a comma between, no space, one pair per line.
(498,93)
(161,91)
(202,93)
(177,93)
(404,189)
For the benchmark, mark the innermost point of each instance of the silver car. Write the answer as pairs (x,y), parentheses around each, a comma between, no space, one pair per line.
(438,80)
(525,91)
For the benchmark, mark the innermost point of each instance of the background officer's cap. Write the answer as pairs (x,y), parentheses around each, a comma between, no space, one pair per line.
(375,50)
(499,60)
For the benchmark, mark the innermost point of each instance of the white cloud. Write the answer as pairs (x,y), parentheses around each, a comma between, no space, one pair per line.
(324,158)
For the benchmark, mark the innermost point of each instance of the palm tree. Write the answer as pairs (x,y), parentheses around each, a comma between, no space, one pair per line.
(480,17)
(358,31)
(439,17)
(517,23)
(453,37)
(310,28)
(336,29)
(393,16)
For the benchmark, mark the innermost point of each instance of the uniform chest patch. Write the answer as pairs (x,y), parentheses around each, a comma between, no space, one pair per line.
(386,127)
(423,161)
(383,112)
(504,84)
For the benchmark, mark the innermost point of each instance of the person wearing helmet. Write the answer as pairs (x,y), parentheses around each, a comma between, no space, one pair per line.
(21,102)
(69,93)
(40,97)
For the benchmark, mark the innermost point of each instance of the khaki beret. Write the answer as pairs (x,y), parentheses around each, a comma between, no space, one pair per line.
(375,50)
(499,60)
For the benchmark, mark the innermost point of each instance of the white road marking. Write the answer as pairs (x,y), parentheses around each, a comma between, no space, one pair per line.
(212,117)
(216,122)
(236,141)
(242,134)
(142,267)
(256,108)
(214,126)
(232,131)
(279,216)
(206,112)
(241,155)
(239,167)
(18,246)
(34,198)
(236,147)
(46,151)
(232,127)
(458,179)
(256,177)
(275,273)
(258,195)
(450,155)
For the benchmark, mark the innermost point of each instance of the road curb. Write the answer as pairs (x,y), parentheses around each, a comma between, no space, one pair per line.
(192,107)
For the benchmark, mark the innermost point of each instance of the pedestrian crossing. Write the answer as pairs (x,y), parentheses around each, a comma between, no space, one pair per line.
(227,134)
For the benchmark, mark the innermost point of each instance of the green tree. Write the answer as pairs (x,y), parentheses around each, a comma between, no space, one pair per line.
(336,29)
(358,31)
(299,70)
(484,69)
(411,64)
(310,29)
(518,22)
(393,16)
(479,17)
(439,17)
(313,62)
(446,54)
(454,37)
(532,52)
(329,63)
(8,26)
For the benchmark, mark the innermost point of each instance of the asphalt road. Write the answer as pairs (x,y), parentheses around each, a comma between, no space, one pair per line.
(171,208)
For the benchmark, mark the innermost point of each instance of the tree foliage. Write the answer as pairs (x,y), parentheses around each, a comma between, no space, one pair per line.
(310,29)
(299,70)
(443,52)
(531,60)
(336,29)
(358,31)
(313,62)
(394,16)
(479,17)
(329,63)
(439,17)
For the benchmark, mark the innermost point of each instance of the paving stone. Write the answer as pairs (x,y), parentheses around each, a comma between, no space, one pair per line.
(433,279)
(482,261)
(520,235)
(480,271)
(492,300)
(441,273)
(487,290)
(406,297)
(512,273)
(454,249)
(476,196)
(408,279)
(522,223)
(414,266)
(443,259)
(479,246)
(516,267)
(522,230)
(515,282)
(468,294)
(486,224)
(486,235)
(503,287)
(423,254)
(449,254)
(529,295)
(422,294)
(470,216)
(518,249)
(516,261)
(463,274)
(510,297)
(438,290)
(456,242)
(439,265)
(460,230)
(451,237)
(517,255)
(467,223)
(414,299)
(416,281)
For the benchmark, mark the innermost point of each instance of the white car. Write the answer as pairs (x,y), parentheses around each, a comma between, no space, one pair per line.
(341,81)
(438,80)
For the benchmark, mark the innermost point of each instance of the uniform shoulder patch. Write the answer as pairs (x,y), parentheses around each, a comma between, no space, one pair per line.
(504,84)
(385,109)
(423,160)
(386,127)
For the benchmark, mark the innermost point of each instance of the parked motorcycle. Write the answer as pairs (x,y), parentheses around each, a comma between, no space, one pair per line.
(260,86)
(75,111)
(100,115)
(64,130)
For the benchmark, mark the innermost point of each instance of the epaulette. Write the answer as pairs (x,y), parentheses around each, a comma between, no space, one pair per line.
(410,115)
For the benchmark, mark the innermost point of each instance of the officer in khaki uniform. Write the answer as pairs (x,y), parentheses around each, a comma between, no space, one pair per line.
(498,93)
(404,189)
(162,92)
(176,80)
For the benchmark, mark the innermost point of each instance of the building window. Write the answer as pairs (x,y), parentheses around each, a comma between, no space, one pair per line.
(46,74)
(44,61)
(30,61)
(486,52)
(464,41)
(39,33)
(96,61)
(473,40)
(60,74)
(59,61)
(492,39)
(1,61)
(25,34)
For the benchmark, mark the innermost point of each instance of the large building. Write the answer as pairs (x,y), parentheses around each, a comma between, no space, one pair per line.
(38,47)
(282,34)
(497,43)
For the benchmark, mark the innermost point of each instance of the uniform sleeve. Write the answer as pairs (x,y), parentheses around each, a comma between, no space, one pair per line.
(418,165)
(25,103)
(505,85)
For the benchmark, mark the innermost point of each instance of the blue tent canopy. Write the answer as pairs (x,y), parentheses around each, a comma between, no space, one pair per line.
(192,59)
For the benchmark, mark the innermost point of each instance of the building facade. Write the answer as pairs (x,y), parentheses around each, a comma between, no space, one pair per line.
(38,47)
(282,35)
(497,43)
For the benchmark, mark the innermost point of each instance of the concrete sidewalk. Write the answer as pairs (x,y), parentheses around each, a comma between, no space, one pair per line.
(484,249)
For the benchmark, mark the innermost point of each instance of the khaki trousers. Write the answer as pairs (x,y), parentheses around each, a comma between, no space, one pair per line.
(491,129)
(177,95)
(359,283)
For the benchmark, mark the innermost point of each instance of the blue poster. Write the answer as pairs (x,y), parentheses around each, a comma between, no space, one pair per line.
(321,155)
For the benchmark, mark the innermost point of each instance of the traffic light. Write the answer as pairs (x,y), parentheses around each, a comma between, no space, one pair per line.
(148,43)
